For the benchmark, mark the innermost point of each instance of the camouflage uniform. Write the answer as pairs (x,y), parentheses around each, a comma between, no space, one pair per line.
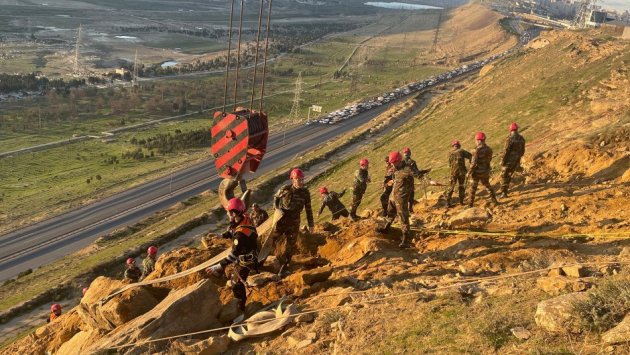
(480,171)
(331,200)
(387,189)
(291,201)
(133,274)
(513,151)
(399,199)
(259,217)
(148,265)
(244,256)
(416,172)
(457,164)
(361,179)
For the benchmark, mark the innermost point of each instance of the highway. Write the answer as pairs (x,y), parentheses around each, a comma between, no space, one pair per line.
(49,240)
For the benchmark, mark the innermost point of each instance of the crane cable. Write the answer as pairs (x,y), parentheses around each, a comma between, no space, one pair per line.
(260,13)
(227,64)
(262,91)
(238,53)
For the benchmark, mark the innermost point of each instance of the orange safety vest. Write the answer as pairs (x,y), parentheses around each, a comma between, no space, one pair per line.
(53,316)
(245,226)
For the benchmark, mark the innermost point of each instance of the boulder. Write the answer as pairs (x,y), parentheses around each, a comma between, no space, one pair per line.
(356,249)
(229,312)
(469,216)
(117,311)
(272,264)
(305,278)
(48,338)
(575,271)
(618,334)
(186,310)
(555,285)
(211,346)
(177,261)
(262,279)
(557,315)
(79,342)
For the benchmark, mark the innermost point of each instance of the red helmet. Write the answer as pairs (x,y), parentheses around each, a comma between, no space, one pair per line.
(152,250)
(513,127)
(455,142)
(395,157)
(55,307)
(407,151)
(323,190)
(364,162)
(480,136)
(131,261)
(296,174)
(236,204)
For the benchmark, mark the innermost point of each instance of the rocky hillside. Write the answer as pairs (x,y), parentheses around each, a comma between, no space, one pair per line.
(546,271)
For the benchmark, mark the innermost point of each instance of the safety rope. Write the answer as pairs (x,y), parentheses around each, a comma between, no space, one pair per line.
(227,65)
(238,54)
(260,13)
(385,298)
(262,91)
(610,235)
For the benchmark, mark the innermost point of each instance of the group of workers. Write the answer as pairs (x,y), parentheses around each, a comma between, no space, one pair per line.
(397,200)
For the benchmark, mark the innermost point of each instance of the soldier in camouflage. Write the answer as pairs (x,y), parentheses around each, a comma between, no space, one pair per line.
(512,154)
(457,165)
(480,169)
(361,179)
(388,182)
(292,199)
(148,264)
(417,172)
(330,199)
(132,273)
(399,199)
(258,215)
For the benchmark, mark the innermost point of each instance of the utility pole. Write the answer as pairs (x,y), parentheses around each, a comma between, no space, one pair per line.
(437,34)
(135,70)
(76,52)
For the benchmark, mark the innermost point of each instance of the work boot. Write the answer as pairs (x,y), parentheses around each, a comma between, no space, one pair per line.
(462,195)
(449,196)
(404,243)
(384,229)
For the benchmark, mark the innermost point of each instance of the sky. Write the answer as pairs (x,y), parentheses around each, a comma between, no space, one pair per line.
(615,4)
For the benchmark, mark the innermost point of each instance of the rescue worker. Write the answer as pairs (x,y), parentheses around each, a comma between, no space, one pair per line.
(457,166)
(512,154)
(133,272)
(148,264)
(331,200)
(291,199)
(399,199)
(480,169)
(388,182)
(55,312)
(258,215)
(361,179)
(244,253)
(417,172)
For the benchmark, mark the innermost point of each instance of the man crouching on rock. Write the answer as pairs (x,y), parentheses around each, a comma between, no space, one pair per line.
(244,253)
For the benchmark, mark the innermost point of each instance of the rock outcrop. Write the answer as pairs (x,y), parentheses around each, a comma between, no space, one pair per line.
(557,315)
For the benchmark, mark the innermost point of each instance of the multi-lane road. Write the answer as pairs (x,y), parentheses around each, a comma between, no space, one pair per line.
(49,240)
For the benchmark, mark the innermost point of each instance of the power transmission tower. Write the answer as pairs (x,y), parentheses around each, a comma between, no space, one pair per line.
(295,109)
(135,70)
(76,52)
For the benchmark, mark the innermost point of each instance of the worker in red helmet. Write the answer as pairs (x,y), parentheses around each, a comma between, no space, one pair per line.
(331,200)
(417,172)
(513,151)
(388,182)
(148,264)
(258,216)
(291,199)
(457,171)
(361,179)
(55,312)
(480,169)
(398,204)
(132,273)
(244,253)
